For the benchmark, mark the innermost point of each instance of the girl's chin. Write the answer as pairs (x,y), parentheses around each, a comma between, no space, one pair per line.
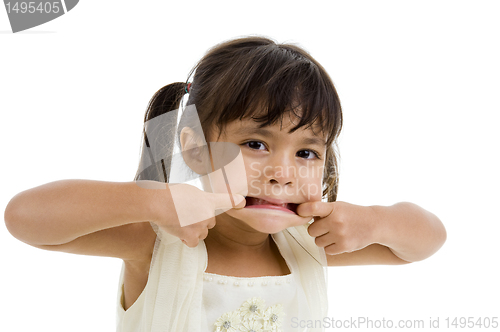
(267,221)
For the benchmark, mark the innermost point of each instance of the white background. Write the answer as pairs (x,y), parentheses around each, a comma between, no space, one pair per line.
(419,85)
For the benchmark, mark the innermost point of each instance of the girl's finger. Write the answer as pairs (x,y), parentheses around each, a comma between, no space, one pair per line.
(239,201)
(318,228)
(316,209)
(191,242)
(211,224)
(301,221)
(333,249)
(203,234)
(324,240)
(226,201)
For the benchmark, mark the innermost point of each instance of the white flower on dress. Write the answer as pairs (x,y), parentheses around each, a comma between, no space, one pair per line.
(251,326)
(252,316)
(273,318)
(252,308)
(228,322)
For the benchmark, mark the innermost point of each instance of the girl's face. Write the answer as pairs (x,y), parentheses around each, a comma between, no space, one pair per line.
(280,167)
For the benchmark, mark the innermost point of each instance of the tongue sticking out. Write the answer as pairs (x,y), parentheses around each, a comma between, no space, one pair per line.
(257,201)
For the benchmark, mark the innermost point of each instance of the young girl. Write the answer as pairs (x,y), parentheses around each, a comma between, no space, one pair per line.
(251,257)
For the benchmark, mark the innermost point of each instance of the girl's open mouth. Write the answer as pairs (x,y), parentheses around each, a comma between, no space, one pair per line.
(258,203)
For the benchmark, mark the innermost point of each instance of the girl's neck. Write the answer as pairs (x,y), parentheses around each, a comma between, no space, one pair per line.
(236,251)
(236,240)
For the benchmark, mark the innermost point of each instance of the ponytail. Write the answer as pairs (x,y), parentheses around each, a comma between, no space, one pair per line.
(165,100)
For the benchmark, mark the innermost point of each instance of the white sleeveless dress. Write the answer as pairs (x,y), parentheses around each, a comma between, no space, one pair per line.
(181,296)
(262,303)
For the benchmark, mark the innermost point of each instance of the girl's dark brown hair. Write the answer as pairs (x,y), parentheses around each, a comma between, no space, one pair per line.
(254,77)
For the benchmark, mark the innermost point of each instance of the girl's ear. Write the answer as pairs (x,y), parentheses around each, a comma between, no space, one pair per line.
(194,151)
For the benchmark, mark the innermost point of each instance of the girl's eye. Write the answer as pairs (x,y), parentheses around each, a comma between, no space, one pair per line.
(254,145)
(310,153)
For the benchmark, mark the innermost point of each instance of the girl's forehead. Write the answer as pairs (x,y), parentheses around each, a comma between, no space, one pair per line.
(249,126)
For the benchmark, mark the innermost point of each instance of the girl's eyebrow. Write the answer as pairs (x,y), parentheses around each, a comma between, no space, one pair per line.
(313,141)
(253,130)
(268,133)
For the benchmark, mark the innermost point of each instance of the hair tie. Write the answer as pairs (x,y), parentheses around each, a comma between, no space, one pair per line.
(187,88)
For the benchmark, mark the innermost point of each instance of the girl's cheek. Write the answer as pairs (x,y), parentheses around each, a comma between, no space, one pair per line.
(230,169)
(310,180)
(254,188)
(253,168)
(236,175)
(312,190)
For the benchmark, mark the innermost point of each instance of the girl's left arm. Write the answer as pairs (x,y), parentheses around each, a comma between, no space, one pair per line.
(410,232)
(358,235)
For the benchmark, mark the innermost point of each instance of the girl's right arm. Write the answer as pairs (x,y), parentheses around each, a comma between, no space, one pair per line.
(86,217)
(106,218)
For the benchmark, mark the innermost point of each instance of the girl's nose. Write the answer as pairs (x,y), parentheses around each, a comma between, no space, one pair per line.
(281,171)
(280,181)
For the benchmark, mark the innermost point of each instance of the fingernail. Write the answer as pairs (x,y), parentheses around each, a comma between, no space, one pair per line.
(239,201)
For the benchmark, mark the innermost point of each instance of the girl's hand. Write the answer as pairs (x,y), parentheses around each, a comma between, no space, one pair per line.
(188,212)
(338,226)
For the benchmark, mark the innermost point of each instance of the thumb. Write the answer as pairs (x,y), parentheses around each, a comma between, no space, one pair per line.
(316,209)
(239,201)
(225,201)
